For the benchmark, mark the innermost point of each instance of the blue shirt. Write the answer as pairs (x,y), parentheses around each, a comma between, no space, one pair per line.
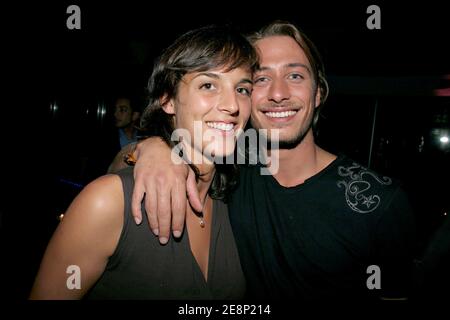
(124,139)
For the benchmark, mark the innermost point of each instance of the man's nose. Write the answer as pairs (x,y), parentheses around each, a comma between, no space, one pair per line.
(279,91)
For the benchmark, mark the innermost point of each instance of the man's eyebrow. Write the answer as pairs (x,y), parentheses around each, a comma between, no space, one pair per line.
(297,64)
(261,68)
(289,65)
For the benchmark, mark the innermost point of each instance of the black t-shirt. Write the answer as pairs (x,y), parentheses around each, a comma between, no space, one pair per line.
(318,239)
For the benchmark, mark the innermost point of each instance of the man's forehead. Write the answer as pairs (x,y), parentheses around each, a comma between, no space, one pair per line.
(278,41)
(278,49)
(122,102)
(281,53)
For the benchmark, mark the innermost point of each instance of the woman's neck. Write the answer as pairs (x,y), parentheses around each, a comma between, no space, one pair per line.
(207,172)
(206,169)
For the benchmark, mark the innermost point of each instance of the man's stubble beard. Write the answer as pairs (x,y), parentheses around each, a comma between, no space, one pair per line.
(287,144)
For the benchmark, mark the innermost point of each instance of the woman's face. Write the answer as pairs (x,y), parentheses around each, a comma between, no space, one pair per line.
(213,107)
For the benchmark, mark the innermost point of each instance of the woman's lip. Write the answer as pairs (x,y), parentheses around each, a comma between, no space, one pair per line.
(221,121)
(221,131)
(221,124)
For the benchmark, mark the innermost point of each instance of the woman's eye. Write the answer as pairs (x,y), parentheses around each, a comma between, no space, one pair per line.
(245,91)
(207,86)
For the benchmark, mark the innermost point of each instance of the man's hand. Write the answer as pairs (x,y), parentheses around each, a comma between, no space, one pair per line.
(165,186)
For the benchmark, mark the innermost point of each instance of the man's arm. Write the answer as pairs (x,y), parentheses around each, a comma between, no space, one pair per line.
(81,245)
(166,185)
(118,163)
(395,247)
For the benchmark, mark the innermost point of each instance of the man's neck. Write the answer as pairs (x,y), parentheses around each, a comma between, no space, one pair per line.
(129,131)
(302,162)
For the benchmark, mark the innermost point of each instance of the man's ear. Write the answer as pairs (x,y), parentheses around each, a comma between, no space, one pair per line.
(135,115)
(168,105)
(318,97)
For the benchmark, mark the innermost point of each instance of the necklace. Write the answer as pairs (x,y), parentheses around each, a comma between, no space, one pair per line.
(202,221)
(200,214)
(201,218)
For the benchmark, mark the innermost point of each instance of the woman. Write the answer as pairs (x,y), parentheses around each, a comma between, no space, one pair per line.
(201,82)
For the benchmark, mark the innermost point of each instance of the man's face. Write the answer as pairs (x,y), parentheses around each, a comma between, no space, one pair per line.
(123,113)
(284,95)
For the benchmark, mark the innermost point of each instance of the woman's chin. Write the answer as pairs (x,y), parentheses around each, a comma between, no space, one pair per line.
(220,155)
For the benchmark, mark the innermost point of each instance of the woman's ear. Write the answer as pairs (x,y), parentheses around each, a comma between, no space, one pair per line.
(168,105)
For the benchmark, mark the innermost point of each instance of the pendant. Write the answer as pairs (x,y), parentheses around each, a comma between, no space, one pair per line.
(202,223)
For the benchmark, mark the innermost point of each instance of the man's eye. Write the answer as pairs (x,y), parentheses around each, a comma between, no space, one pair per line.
(296,76)
(259,79)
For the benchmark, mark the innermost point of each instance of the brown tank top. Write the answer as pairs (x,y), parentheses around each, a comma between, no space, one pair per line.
(142,268)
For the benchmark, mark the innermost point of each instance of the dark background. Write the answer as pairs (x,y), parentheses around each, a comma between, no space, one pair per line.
(382,110)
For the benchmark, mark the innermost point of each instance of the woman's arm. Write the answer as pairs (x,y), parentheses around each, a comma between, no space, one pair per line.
(85,239)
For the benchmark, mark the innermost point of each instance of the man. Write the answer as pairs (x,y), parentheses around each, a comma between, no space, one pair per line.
(126,116)
(320,226)
(116,141)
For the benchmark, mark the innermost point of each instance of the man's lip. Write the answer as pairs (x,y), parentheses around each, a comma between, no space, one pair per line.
(278,109)
(281,119)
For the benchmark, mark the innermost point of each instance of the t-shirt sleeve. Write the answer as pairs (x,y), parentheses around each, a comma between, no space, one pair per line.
(395,246)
